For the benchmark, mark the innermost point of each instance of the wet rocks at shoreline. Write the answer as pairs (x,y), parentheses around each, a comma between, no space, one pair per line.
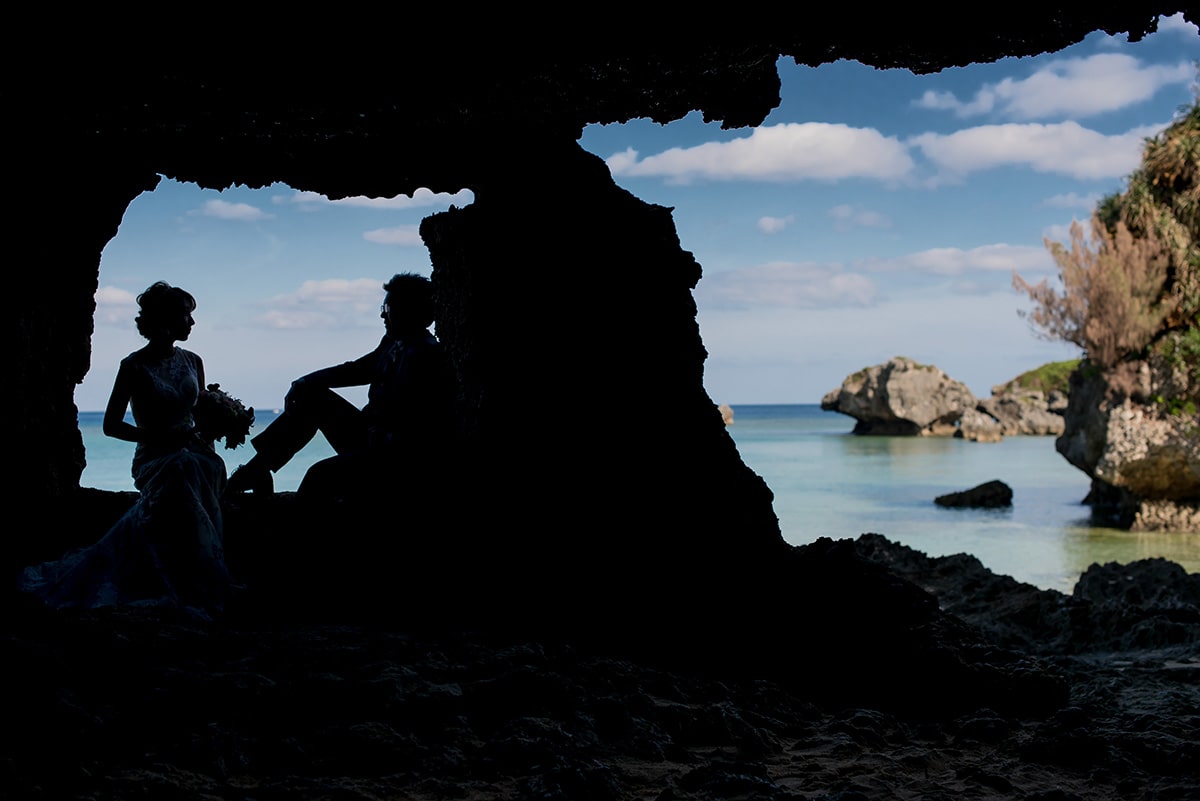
(134,704)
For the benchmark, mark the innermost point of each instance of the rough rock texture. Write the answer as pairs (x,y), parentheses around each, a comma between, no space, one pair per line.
(143,705)
(1144,462)
(366,115)
(901,398)
(1148,605)
(989,495)
(978,426)
(722,612)
(492,101)
(1025,412)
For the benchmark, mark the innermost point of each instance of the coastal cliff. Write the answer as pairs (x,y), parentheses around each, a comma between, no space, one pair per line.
(902,397)
(1142,454)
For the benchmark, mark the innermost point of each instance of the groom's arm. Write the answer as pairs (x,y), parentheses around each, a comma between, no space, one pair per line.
(354,373)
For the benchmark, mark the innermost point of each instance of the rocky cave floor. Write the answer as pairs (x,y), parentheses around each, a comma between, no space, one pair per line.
(138,704)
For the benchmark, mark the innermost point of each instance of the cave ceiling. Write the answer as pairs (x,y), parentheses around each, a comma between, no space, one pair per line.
(348,105)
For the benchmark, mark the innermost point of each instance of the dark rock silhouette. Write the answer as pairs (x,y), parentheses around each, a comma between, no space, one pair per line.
(679,560)
(988,495)
(126,704)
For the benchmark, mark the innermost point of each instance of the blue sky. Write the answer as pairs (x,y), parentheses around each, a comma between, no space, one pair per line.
(874,213)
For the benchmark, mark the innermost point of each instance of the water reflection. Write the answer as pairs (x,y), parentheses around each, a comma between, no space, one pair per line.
(1083,546)
(900,447)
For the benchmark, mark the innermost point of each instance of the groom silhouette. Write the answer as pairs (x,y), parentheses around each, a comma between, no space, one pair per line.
(406,421)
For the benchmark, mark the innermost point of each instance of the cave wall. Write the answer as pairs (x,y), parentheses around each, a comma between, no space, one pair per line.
(581,362)
(338,108)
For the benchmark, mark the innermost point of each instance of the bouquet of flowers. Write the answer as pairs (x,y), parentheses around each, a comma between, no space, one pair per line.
(219,414)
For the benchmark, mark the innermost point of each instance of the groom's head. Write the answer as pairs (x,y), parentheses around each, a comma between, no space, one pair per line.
(408,304)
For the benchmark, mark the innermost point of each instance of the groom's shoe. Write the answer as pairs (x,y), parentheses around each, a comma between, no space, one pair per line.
(254,477)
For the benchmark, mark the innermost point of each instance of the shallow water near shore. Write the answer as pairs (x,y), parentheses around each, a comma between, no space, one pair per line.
(830,483)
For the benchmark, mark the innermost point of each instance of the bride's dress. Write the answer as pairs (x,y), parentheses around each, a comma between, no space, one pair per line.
(168,548)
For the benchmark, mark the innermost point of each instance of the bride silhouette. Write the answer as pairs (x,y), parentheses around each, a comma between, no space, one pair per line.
(167,550)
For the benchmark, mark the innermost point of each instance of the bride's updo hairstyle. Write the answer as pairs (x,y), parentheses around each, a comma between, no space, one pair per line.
(160,305)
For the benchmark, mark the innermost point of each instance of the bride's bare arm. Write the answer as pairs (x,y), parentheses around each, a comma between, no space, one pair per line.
(114,413)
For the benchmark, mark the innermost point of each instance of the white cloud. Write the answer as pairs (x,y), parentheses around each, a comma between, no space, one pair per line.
(399,235)
(786,152)
(1072,200)
(846,217)
(985,101)
(326,304)
(115,307)
(768,355)
(810,285)
(957,261)
(1065,148)
(420,198)
(1072,87)
(1177,25)
(970,286)
(224,210)
(794,285)
(773,225)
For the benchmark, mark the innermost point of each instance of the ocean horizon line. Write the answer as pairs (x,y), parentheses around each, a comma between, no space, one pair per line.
(278,409)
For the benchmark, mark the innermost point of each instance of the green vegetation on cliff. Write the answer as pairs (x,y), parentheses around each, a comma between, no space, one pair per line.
(1047,378)
(1163,202)
(1131,289)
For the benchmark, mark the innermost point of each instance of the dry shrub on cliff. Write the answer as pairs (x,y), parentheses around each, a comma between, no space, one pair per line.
(1112,302)
(1163,199)
(1139,275)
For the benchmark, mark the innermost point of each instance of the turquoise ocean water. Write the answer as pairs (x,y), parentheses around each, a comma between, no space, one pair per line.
(829,483)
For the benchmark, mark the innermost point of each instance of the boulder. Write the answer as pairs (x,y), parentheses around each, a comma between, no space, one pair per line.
(1144,459)
(901,398)
(1025,411)
(989,495)
(977,426)
(1153,456)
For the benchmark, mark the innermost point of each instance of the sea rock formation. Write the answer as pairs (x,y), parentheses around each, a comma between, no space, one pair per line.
(978,426)
(1025,411)
(904,398)
(901,397)
(1144,459)
(989,495)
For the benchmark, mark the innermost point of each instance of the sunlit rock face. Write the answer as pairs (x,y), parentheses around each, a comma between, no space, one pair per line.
(1025,412)
(902,398)
(1144,460)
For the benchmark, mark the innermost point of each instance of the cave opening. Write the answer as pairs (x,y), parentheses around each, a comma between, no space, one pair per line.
(286,282)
